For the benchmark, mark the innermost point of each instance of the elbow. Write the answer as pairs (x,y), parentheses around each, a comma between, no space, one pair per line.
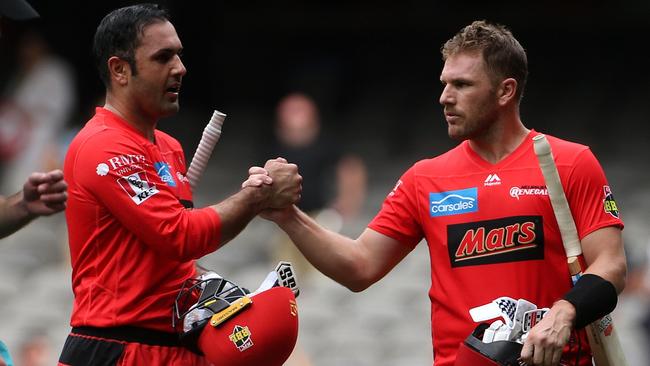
(360,277)
(175,251)
(358,286)
(616,274)
(621,277)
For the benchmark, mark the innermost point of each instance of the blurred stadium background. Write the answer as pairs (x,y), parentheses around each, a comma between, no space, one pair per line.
(373,69)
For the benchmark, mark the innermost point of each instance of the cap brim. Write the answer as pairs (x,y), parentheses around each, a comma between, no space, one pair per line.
(17,10)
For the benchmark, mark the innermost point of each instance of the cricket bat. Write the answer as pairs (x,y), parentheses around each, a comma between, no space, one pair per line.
(209,138)
(603,338)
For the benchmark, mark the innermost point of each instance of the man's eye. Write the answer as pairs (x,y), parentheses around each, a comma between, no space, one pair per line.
(163,57)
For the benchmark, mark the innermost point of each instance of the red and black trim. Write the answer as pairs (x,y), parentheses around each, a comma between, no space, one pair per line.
(104,346)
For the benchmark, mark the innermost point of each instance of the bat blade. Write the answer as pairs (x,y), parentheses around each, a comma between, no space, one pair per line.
(603,338)
(559,202)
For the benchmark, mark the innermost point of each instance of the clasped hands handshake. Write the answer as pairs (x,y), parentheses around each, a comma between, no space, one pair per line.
(280,183)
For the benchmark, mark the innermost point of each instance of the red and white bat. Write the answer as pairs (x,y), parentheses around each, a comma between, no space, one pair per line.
(211,134)
(603,339)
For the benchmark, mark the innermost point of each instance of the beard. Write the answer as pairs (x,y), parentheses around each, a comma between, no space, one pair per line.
(475,124)
(470,130)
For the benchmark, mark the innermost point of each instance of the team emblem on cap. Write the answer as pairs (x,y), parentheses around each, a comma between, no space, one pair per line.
(241,337)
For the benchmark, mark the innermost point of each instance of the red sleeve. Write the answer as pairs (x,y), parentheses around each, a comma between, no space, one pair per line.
(398,217)
(136,197)
(590,197)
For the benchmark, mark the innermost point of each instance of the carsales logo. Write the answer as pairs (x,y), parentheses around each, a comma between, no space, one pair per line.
(453,202)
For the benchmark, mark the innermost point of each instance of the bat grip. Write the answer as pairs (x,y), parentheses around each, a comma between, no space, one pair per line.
(209,138)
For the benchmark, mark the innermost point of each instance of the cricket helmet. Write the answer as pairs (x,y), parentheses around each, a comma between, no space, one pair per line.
(473,352)
(232,327)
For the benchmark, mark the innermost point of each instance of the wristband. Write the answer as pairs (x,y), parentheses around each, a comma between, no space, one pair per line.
(593,297)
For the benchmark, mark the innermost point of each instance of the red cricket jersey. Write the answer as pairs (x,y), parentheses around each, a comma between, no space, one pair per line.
(491,230)
(132,241)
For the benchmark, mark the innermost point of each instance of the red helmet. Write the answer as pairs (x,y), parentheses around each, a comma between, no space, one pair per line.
(263,334)
(473,352)
(232,327)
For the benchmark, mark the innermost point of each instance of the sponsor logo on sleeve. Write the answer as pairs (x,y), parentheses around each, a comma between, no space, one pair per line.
(399,183)
(102,169)
(122,164)
(609,203)
(508,239)
(182,178)
(453,202)
(164,172)
(138,187)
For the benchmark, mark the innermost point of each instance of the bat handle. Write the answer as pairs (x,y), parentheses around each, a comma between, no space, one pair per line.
(575,268)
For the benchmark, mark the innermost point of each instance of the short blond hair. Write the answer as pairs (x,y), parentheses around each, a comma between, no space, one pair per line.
(503,55)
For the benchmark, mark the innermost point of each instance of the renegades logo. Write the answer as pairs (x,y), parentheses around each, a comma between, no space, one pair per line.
(508,239)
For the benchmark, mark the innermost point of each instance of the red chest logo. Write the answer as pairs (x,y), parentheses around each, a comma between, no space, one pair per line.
(508,239)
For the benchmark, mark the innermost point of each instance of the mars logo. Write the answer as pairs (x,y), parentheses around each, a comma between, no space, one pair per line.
(241,337)
(138,187)
(509,239)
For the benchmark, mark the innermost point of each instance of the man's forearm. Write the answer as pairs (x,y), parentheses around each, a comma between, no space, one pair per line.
(335,255)
(605,256)
(13,214)
(236,211)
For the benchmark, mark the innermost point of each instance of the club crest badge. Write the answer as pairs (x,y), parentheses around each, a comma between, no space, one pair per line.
(609,203)
(241,338)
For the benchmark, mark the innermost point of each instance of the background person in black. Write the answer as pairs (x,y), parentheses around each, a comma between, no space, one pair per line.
(335,186)
(299,138)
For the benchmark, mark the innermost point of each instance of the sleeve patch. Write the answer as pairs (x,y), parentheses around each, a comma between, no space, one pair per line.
(609,203)
(138,187)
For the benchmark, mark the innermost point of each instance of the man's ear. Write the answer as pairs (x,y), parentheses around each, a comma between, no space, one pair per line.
(119,70)
(507,90)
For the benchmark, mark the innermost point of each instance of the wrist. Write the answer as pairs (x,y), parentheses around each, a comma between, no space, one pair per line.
(286,217)
(592,297)
(565,311)
(21,208)
(257,198)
